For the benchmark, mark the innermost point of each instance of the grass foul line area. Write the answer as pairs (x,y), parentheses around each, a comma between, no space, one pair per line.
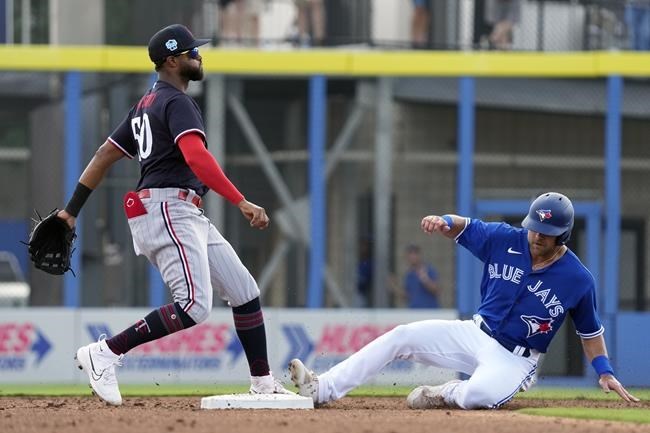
(641,416)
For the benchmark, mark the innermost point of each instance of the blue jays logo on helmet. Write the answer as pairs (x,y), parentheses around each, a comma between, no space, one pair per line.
(537,325)
(544,214)
(551,214)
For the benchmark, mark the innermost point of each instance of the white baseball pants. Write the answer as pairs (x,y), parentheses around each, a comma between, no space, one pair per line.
(496,374)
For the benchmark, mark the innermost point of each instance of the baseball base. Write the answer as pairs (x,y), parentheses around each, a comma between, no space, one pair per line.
(256,401)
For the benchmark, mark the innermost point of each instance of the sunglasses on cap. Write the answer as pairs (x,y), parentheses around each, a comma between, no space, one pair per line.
(192,54)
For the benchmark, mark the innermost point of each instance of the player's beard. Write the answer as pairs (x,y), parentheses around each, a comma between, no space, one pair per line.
(191,73)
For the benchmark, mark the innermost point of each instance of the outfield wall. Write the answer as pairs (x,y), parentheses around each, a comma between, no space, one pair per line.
(37,345)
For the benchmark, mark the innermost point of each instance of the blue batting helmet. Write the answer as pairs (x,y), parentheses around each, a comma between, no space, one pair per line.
(551,214)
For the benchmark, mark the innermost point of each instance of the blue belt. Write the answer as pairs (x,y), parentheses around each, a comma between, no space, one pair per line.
(516,349)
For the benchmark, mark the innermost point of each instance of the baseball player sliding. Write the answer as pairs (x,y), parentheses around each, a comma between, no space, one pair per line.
(531,281)
(165,131)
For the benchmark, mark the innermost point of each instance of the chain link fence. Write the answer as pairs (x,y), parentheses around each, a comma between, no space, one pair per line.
(535,25)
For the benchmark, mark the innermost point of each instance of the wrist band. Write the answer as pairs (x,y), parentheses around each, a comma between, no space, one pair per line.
(79,197)
(602,366)
(449,220)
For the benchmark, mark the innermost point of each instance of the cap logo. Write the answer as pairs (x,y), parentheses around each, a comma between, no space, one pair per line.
(544,214)
(171,45)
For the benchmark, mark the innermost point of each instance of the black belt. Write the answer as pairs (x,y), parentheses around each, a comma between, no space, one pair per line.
(509,347)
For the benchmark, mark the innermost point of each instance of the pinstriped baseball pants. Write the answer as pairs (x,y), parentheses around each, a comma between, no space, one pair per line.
(191,255)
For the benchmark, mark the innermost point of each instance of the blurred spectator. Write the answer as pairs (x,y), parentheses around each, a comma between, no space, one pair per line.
(637,18)
(364,273)
(310,22)
(421,281)
(420,21)
(501,16)
(239,21)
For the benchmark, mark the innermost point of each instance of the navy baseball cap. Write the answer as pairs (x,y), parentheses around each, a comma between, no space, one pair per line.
(172,40)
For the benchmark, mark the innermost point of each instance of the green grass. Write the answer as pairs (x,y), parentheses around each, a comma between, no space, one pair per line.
(174,390)
(365,391)
(593,393)
(126,390)
(627,415)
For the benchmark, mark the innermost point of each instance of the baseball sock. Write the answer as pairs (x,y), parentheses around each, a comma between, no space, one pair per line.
(249,324)
(163,321)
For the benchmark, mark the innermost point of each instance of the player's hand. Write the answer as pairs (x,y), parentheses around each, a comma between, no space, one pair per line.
(255,214)
(65,216)
(609,383)
(434,223)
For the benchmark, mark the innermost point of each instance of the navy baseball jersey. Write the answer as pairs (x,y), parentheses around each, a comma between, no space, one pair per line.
(525,307)
(151,131)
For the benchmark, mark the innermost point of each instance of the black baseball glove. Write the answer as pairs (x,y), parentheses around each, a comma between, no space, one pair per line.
(50,244)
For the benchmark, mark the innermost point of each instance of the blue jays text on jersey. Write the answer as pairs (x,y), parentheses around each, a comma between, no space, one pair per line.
(522,306)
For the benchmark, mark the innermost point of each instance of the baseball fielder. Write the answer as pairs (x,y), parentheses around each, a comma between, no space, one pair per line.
(531,281)
(164,131)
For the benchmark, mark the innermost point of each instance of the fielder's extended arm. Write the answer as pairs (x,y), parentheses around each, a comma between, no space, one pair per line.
(105,156)
(207,169)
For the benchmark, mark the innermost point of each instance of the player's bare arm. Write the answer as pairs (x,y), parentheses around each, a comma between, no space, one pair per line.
(104,158)
(440,224)
(595,347)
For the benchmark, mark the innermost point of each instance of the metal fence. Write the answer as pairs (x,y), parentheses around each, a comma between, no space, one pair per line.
(537,25)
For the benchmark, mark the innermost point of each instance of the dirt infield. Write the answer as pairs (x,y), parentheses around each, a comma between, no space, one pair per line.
(349,415)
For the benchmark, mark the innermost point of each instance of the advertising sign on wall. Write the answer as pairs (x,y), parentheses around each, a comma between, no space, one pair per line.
(38,345)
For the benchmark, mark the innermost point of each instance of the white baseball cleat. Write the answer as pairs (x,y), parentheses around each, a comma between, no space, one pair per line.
(99,363)
(304,379)
(429,397)
(267,385)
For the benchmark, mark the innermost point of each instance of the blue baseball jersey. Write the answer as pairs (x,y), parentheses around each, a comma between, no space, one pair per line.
(525,307)
(151,131)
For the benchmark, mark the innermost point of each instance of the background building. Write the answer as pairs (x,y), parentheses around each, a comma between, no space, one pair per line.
(396,143)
